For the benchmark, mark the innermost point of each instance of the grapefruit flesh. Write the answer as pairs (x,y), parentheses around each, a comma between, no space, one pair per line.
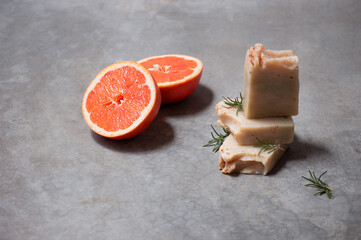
(177,75)
(121,101)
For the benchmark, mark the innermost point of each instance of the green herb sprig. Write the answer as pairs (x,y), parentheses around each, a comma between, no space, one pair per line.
(268,147)
(234,103)
(217,140)
(316,182)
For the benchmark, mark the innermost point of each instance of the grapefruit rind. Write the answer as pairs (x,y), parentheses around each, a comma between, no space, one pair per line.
(146,114)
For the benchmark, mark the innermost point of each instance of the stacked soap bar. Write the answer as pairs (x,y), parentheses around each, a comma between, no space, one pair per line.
(270,83)
(271,89)
(245,131)
(246,159)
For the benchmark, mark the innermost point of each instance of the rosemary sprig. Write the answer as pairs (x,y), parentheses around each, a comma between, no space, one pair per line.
(316,182)
(217,140)
(237,103)
(268,147)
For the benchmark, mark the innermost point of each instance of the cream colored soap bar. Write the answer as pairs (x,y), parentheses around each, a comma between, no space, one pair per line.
(234,158)
(271,83)
(245,131)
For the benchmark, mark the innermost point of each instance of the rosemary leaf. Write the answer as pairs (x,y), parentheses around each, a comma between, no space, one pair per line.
(234,103)
(267,147)
(216,142)
(320,185)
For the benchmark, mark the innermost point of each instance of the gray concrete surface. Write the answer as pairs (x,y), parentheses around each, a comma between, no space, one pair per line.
(58,180)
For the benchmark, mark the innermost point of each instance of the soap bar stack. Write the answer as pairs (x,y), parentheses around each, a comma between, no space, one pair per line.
(271,89)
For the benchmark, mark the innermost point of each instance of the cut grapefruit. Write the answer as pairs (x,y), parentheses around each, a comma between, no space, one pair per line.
(121,101)
(177,76)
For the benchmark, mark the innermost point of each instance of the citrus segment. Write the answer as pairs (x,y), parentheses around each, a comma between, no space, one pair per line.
(177,76)
(121,101)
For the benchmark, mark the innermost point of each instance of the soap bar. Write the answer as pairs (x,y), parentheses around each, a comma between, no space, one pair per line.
(235,158)
(271,83)
(245,131)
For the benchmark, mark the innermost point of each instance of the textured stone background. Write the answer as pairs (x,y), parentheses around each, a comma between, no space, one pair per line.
(58,180)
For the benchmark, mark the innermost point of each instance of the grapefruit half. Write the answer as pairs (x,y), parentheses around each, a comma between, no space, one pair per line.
(121,101)
(177,76)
